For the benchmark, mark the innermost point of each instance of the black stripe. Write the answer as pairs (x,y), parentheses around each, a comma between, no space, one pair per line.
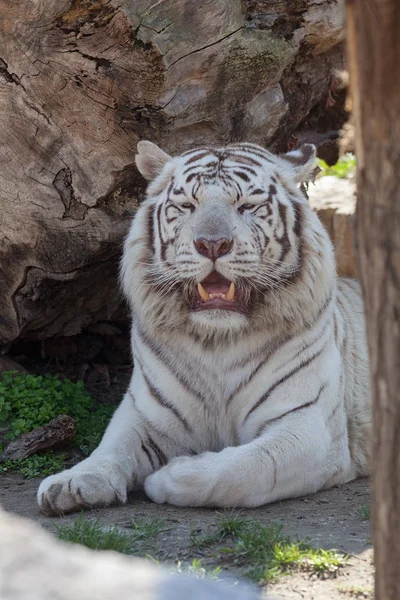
(275,471)
(150,227)
(334,411)
(313,341)
(206,170)
(258,192)
(352,284)
(149,424)
(335,328)
(298,218)
(242,175)
(209,149)
(162,459)
(191,176)
(252,150)
(164,402)
(321,310)
(271,189)
(163,244)
(247,160)
(192,169)
(238,168)
(293,410)
(253,229)
(264,235)
(284,239)
(198,156)
(273,387)
(195,189)
(145,450)
(266,354)
(156,350)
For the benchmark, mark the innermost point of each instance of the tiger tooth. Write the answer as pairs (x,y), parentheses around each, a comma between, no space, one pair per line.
(203,292)
(230,294)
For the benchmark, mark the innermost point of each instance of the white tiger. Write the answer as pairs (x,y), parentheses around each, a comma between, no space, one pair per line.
(251,379)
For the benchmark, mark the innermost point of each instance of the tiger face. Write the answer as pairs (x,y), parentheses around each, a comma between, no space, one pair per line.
(223,230)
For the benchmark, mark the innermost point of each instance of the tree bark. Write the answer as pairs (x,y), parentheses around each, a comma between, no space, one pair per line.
(374,54)
(81,81)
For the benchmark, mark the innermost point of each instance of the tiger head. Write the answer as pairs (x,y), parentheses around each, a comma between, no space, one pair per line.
(226,240)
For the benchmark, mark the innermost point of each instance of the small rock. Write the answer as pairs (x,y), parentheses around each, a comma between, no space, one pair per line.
(7,364)
(334,201)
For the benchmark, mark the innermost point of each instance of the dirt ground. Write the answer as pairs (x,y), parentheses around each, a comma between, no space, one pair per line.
(330,519)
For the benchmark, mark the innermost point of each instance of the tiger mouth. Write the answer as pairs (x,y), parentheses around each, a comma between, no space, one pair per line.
(217,292)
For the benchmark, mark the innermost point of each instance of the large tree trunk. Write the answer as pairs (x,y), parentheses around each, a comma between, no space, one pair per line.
(81,81)
(374,53)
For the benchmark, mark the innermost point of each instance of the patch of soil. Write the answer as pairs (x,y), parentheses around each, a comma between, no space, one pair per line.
(330,519)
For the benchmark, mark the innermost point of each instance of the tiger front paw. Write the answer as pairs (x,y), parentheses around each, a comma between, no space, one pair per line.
(80,488)
(185,481)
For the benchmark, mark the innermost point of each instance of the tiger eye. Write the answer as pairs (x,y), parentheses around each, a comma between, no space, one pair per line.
(188,205)
(247,206)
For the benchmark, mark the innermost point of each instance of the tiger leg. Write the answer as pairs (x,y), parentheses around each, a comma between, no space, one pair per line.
(288,460)
(129,451)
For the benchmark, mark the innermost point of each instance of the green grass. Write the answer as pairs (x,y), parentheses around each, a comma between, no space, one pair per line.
(93,535)
(355,591)
(144,529)
(29,401)
(344,167)
(259,552)
(196,569)
(365,512)
(96,537)
(263,552)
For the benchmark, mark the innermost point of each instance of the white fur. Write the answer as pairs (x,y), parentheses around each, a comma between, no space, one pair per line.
(212,367)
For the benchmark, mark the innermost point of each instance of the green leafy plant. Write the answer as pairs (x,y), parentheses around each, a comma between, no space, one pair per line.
(263,552)
(29,401)
(344,167)
(39,465)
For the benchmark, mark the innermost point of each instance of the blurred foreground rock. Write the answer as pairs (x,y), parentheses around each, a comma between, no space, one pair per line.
(34,566)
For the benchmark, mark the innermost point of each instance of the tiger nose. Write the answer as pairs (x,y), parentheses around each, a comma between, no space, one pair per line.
(213,248)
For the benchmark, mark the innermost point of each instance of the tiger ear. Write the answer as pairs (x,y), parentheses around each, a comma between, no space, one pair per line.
(150,159)
(302,162)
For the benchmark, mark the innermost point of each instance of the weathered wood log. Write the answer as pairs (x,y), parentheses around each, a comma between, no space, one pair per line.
(81,81)
(59,431)
(33,565)
(374,56)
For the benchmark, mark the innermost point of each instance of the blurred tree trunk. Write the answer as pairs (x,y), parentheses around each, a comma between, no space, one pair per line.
(373,28)
(81,81)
